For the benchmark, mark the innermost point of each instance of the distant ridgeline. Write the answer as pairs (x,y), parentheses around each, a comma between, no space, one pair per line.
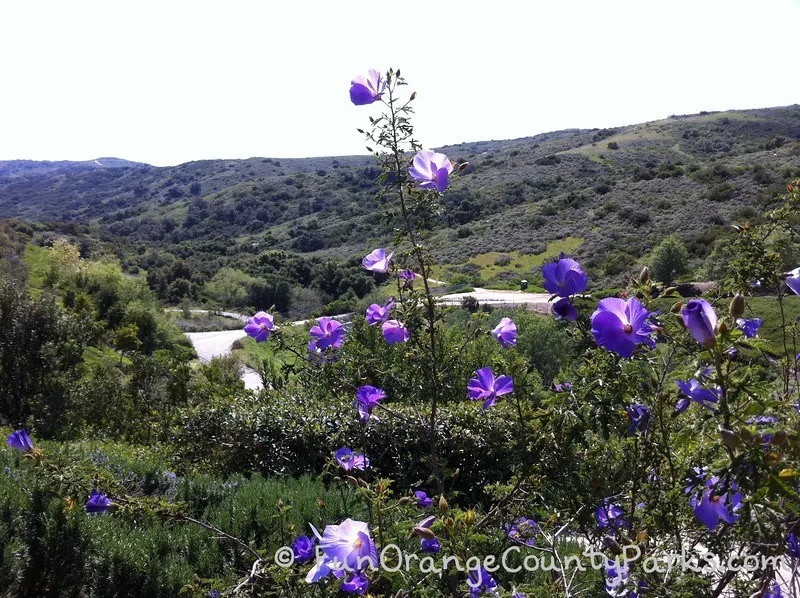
(608,196)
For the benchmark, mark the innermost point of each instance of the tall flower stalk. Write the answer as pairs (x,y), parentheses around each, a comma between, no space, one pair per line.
(393,133)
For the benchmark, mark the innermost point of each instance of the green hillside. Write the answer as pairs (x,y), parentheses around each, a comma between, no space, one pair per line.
(619,191)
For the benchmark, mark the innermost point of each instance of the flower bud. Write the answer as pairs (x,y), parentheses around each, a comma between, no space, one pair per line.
(352,482)
(280,504)
(644,275)
(424,532)
(413,96)
(611,544)
(469,518)
(779,437)
(701,321)
(737,306)
(443,506)
(405,500)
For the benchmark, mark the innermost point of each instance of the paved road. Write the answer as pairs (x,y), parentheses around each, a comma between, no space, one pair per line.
(218,344)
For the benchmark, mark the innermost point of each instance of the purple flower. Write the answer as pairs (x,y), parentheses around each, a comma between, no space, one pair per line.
(367,398)
(427,522)
(423,500)
(20,441)
(505,333)
(564,310)
(327,333)
(692,390)
(563,387)
(610,516)
(617,574)
(517,595)
(714,508)
(763,420)
(620,325)
(365,90)
(564,278)
(485,387)
(523,530)
(303,549)
(749,326)
(377,314)
(347,546)
(214,594)
(639,416)
(97,503)
(356,583)
(792,546)
(349,460)
(793,280)
(701,320)
(394,332)
(377,261)
(408,277)
(430,545)
(259,326)
(432,170)
(480,583)
(774,591)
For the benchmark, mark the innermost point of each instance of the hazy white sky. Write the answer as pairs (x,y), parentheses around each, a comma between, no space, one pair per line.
(172,81)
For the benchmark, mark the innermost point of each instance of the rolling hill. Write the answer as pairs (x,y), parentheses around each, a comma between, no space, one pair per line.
(606,195)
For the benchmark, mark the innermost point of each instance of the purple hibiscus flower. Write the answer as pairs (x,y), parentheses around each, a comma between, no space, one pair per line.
(564,310)
(793,280)
(408,277)
(377,314)
(423,500)
(327,333)
(505,333)
(523,530)
(714,508)
(617,574)
(564,278)
(774,591)
(347,546)
(365,90)
(303,549)
(639,417)
(259,326)
(348,460)
(692,390)
(395,332)
(367,398)
(792,546)
(429,545)
(20,441)
(620,325)
(487,388)
(701,321)
(377,261)
(610,516)
(481,583)
(749,326)
(431,170)
(355,583)
(97,503)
